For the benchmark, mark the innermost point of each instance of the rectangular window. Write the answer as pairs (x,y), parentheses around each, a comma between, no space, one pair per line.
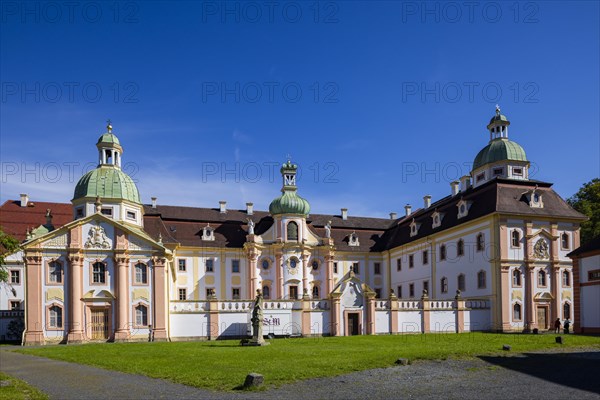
(481,280)
(518,171)
(55,317)
(181,264)
(425,257)
(235,266)
(141,273)
(594,275)
(131,215)
(209,292)
(335,268)
(399,264)
(411,290)
(426,286)
(79,213)
(377,293)
(210,265)
(15,277)
(399,288)
(411,261)
(480,177)
(107,211)
(141,315)
(293,292)
(356,268)
(182,294)
(15,305)
(235,293)
(55,272)
(498,171)
(98,273)
(377,268)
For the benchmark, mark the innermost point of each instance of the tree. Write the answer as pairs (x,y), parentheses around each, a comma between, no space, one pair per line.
(587,202)
(8,245)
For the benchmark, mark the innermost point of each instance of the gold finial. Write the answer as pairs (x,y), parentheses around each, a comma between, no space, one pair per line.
(108,126)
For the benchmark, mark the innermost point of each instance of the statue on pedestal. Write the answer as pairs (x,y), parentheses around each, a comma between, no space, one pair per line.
(257,321)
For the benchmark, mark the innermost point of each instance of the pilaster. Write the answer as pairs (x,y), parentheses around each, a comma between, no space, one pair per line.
(76,333)
(160,298)
(34,332)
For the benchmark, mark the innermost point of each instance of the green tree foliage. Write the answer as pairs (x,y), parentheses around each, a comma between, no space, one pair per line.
(587,202)
(8,245)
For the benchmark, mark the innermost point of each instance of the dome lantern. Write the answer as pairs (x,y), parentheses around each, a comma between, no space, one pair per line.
(289,202)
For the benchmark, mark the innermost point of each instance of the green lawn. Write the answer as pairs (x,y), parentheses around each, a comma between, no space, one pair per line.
(16,389)
(223,365)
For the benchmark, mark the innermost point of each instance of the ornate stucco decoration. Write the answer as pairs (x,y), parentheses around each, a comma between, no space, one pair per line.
(540,249)
(97,238)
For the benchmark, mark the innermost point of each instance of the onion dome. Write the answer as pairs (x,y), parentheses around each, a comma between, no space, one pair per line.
(289,202)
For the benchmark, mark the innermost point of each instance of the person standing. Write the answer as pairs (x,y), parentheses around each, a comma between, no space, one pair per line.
(567,325)
(557,325)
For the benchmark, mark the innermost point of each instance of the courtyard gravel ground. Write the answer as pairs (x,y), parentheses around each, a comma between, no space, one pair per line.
(569,374)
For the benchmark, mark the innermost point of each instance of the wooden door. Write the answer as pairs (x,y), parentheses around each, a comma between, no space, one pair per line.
(542,318)
(353,324)
(99,324)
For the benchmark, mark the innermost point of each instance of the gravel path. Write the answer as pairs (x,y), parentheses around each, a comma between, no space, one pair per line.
(544,375)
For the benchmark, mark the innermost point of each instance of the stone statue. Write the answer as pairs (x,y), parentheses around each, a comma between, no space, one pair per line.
(250,227)
(328,229)
(257,321)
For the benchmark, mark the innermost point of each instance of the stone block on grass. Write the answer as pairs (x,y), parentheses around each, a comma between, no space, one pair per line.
(506,347)
(402,361)
(253,380)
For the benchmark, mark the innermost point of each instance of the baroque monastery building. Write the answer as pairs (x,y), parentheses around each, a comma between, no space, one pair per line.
(492,255)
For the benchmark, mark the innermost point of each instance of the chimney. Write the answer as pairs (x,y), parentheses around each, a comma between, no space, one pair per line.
(153,202)
(344,214)
(249,208)
(222,206)
(465,183)
(393,215)
(24,199)
(408,209)
(427,201)
(454,186)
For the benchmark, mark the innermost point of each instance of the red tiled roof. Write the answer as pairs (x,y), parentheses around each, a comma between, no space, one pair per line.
(15,220)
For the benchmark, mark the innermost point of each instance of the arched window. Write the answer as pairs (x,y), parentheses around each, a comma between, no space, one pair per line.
(566,311)
(292,231)
(461,282)
(266,292)
(141,315)
(55,317)
(517,312)
(480,242)
(516,238)
(481,280)
(565,241)
(460,247)
(516,277)
(141,273)
(98,272)
(315,292)
(541,278)
(443,252)
(444,285)
(566,278)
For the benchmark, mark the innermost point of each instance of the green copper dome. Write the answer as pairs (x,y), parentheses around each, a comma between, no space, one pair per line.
(289,203)
(107,182)
(108,138)
(499,150)
(498,117)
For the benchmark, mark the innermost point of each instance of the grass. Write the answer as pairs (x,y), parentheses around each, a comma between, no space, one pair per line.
(16,389)
(223,365)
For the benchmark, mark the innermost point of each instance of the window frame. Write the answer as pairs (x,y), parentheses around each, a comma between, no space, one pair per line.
(566,276)
(411,290)
(517,274)
(461,278)
(425,257)
(181,265)
(182,292)
(444,285)
(18,276)
(518,239)
(443,252)
(460,248)
(514,312)
(145,316)
(411,261)
(233,263)
(399,264)
(239,293)
(480,242)
(209,265)
(59,322)
(288,238)
(135,280)
(481,284)
(542,279)
(563,245)
(93,273)
(377,268)
(50,274)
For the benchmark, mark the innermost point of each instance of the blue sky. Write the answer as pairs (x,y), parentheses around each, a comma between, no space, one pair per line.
(379,102)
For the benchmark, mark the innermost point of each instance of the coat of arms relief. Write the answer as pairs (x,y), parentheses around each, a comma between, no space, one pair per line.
(97,238)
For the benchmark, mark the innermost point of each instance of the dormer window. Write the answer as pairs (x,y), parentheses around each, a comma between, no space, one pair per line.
(498,171)
(107,211)
(79,213)
(292,231)
(414,228)
(208,233)
(518,171)
(463,208)
(131,215)
(437,219)
(564,241)
(353,239)
(480,177)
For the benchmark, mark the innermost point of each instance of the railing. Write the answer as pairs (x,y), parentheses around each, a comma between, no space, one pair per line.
(409,305)
(442,305)
(382,305)
(188,306)
(320,305)
(479,304)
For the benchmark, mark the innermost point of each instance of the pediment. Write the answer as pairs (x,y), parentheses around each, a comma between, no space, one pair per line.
(98,295)
(543,296)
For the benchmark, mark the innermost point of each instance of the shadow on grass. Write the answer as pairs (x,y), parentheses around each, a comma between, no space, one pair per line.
(576,370)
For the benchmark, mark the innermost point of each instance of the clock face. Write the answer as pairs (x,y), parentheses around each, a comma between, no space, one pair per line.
(293,263)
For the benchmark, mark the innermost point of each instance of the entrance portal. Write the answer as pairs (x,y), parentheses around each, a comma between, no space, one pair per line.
(353,324)
(542,318)
(99,323)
